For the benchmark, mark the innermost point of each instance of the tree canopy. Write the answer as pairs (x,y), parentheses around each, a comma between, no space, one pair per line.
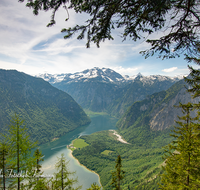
(181,170)
(182,161)
(118,175)
(62,178)
(179,20)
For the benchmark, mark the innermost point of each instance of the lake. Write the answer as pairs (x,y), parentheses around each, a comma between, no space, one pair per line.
(54,149)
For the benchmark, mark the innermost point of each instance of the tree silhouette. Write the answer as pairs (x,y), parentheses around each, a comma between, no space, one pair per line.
(182,159)
(20,147)
(179,22)
(62,178)
(117,175)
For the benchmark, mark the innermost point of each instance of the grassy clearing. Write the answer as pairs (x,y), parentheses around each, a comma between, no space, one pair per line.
(79,143)
(107,152)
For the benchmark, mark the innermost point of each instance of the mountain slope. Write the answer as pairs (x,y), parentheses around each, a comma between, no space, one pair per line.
(104,90)
(48,112)
(138,90)
(146,126)
(157,112)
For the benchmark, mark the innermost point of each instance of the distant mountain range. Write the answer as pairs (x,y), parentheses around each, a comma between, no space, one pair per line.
(95,74)
(47,111)
(104,75)
(104,90)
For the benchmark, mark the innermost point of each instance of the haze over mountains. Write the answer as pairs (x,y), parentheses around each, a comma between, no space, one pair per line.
(104,90)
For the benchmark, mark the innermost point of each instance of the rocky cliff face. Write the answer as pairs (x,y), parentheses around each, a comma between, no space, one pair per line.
(166,115)
(158,111)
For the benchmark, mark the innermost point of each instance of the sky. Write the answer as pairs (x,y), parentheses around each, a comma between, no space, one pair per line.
(27,45)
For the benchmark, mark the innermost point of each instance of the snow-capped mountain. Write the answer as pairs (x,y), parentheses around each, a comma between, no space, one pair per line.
(106,90)
(105,75)
(97,74)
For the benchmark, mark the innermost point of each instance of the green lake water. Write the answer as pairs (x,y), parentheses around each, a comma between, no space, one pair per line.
(54,149)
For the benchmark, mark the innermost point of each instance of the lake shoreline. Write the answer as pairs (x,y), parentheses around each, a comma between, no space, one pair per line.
(71,155)
(52,150)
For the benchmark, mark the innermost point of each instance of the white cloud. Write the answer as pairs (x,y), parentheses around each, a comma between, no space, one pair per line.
(29,46)
(140,47)
(170,69)
(28,69)
(60,46)
(21,30)
(126,71)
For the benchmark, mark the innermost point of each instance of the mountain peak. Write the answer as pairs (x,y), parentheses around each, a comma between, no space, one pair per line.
(104,75)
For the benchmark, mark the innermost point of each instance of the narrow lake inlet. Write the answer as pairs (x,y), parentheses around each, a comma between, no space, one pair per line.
(54,149)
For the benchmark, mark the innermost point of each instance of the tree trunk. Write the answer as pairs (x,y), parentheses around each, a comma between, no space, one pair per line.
(18,179)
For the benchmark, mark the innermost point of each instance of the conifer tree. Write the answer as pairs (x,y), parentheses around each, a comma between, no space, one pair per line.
(41,183)
(62,178)
(194,78)
(20,147)
(94,186)
(39,157)
(3,161)
(182,169)
(117,175)
(182,165)
(35,180)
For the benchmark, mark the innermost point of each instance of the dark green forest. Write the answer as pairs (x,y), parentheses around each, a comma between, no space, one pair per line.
(141,162)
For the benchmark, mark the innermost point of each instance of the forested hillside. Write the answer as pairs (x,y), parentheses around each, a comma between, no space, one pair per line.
(47,111)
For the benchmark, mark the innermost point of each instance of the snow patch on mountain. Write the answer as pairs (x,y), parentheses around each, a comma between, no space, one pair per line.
(104,75)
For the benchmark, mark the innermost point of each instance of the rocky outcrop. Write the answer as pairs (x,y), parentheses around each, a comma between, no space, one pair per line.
(166,115)
(160,110)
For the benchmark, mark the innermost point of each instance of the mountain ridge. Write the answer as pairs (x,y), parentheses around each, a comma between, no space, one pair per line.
(48,111)
(102,75)
(158,111)
(104,90)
